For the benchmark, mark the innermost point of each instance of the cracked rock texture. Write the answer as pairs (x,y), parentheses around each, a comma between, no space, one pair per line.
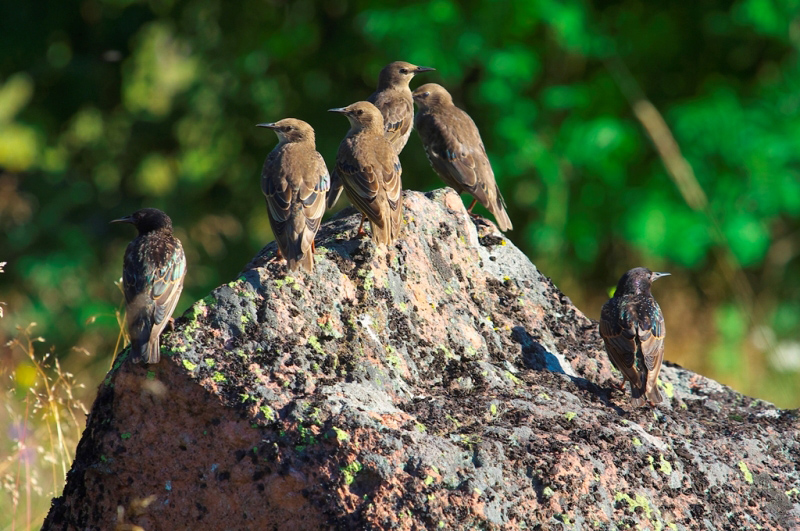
(444,383)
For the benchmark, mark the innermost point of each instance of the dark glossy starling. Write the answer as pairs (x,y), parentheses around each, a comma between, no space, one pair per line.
(295,181)
(633,330)
(152,278)
(393,99)
(370,172)
(455,150)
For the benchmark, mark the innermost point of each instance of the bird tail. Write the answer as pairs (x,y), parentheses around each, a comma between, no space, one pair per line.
(335,190)
(651,390)
(148,351)
(382,234)
(304,260)
(499,212)
(637,395)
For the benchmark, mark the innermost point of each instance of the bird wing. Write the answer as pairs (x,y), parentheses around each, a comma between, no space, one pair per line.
(456,152)
(619,336)
(167,282)
(651,332)
(362,180)
(398,116)
(277,190)
(312,194)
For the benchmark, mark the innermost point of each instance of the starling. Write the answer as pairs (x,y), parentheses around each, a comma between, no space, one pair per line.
(295,181)
(152,277)
(633,330)
(455,150)
(370,172)
(393,99)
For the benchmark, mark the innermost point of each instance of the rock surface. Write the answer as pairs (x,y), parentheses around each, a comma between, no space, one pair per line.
(442,384)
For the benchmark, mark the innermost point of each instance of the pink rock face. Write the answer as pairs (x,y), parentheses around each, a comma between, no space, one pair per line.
(442,383)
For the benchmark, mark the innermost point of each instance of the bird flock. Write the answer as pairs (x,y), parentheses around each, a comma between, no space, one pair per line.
(299,189)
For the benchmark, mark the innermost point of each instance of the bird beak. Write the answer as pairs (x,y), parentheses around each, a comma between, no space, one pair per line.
(268,126)
(423,69)
(126,219)
(342,110)
(656,276)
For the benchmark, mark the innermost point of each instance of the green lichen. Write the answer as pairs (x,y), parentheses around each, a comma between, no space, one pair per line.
(429,481)
(637,441)
(151,375)
(209,362)
(793,493)
(314,342)
(188,365)
(341,435)
(268,412)
(513,378)
(218,377)
(664,466)
(748,476)
(569,415)
(547,492)
(419,427)
(369,278)
(493,409)
(125,436)
(544,396)
(638,501)
(351,471)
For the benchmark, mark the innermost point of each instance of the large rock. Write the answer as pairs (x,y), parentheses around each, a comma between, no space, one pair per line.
(444,383)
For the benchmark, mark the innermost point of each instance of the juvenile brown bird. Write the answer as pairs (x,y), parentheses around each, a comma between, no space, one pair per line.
(393,99)
(455,150)
(370,171)
(632,327)
(152,279)
(295,181)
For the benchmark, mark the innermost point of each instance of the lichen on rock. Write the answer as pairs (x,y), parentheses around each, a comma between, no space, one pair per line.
(443,383)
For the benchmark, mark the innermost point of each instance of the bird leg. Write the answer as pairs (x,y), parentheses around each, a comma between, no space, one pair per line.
(619,386)
(313,247)
(170,326)
(361,231)
(469,210)
(279,254)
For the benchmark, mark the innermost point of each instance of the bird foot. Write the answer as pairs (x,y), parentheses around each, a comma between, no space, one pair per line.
(618,386)
(170,327)
(361,232)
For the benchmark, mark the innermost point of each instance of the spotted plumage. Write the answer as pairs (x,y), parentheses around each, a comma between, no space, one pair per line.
(632,327)
(152,280)
(455,150)
(370,172)
(295,181)
(393,100)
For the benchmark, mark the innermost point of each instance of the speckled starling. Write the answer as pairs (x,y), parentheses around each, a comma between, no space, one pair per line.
(370,171)
(455,150)
(632,327)
(152,279)
(393,99)
(295,181)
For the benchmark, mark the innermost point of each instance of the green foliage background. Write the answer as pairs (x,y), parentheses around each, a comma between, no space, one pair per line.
(107,106)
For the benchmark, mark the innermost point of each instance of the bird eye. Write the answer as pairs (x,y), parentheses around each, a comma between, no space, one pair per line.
(359,112)
(403,71)
(426,94)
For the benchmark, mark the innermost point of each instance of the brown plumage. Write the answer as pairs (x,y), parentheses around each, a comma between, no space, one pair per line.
(295,181)
(152,280)
(455,150)
(633,330)
(393,99)
(370,172)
